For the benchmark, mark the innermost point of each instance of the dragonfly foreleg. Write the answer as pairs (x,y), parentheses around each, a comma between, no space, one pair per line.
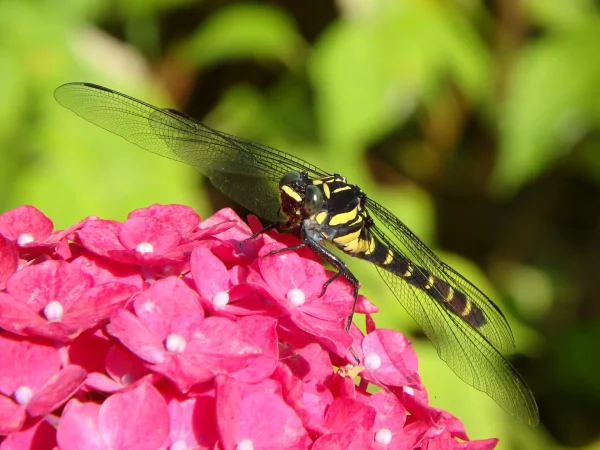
(259,232)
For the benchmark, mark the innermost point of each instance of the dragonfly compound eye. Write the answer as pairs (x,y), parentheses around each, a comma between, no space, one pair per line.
(313,200)
(289,178)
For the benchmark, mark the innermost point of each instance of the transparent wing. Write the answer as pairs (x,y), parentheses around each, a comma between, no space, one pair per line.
(470,352)
(247,172)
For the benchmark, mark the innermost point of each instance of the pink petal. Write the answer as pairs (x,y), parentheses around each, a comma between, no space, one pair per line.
(136,337)
(169,306)
(49,281)
(8,260)
(312,364)
(236,233)
(210,274)
(345,412)
(412,435)
(123,366)
(268,422)
(206,232)
(394,360)
(25,219)
(282,272)
(78,429)
(159,235)
(102,383)
(292,391)
(184,374)
(17,316)
(261,332)
(12,416)
(97,304)
(137,419)
(25,363)
(182,218)
(100,237)
(194,422)
(339,441)
(302,330)
(89,351)
(39,436)
(441,442)
(391,414)
(104,271)
(364,306)
(57,391)
(349,416)
(220,346)
(228,408)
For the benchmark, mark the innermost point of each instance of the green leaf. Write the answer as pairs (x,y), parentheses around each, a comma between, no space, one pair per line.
(552,101)
(245,31)
(559,14)
(369,74)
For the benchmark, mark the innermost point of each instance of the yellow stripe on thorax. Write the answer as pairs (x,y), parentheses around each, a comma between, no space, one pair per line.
(326,190)
(366,246)
(344,217)
(340,189)
(320,218)
(347,238)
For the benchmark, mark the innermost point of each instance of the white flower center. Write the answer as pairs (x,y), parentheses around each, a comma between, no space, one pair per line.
(24,239)
(383,436)
(144,247)
(127,379)
(175,343)
(53,311)
(296,297)
(372,361)
(23,395)
(221,299)
(245,444)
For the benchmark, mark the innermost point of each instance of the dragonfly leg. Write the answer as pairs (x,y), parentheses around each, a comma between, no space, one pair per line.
(259,232)
(338,264)
(286,249)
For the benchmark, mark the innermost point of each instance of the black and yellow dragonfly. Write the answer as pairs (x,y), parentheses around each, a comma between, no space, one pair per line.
(467,329)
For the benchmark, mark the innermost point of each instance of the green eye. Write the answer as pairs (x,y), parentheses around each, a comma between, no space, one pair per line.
(313,200)
(289,178)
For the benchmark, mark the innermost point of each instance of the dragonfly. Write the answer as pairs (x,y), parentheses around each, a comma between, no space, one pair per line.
(467,329)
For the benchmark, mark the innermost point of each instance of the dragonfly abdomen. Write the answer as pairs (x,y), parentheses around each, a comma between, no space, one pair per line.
(453,300)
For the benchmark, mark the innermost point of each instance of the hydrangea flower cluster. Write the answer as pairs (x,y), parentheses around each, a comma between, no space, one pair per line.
(165,332)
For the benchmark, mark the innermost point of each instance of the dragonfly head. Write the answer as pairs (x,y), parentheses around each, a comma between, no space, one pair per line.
(299,197)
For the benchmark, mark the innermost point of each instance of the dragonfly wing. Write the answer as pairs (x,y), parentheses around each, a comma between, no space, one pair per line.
(470,352)
(247,172)
(465,351)
(398,236)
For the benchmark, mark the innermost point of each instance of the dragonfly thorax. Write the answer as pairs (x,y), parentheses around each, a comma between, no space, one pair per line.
(328,206)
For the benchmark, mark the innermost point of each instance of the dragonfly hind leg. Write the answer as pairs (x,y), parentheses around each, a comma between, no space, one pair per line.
(338,264)
(321,250)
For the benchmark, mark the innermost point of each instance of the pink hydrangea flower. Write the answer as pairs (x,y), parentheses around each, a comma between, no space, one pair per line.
(168,332)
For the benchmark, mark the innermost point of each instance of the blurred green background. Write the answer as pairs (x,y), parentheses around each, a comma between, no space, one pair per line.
(476,122)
